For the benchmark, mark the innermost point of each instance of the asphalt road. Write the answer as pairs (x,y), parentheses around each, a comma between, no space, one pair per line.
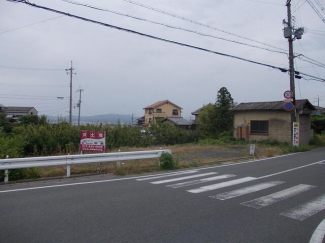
(278,199)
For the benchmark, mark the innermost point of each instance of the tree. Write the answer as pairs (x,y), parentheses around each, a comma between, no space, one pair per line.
(224,114)
(217,118)
(5,123)
(207,119)
(29,119)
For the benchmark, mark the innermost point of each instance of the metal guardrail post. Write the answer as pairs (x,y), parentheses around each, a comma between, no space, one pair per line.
(6,176)
(68,170)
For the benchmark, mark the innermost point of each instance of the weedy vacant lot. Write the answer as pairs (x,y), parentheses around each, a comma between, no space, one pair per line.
(185,156)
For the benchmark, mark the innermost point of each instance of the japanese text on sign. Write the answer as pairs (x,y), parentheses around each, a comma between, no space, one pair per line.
(295,138)
(92,141)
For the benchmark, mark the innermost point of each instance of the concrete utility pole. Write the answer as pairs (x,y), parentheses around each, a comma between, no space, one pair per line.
(70,110)
(289,32)
(79,105)
(291,69)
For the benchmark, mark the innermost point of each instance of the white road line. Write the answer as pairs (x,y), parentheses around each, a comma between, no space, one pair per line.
(285,171)
(319,233)
(221,185)
(152,177)
(183,178)
(189,183)
(306,210)
(278,196)
(247,162)
(246,190)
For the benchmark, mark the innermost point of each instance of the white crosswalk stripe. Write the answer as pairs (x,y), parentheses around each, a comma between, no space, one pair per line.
(221,185)
(306,210)
(195,182)
(300,212)
(278,196)
(183,178)
(152,177)
(246,190)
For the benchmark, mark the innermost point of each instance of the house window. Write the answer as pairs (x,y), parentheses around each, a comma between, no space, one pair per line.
(260,127)
(158,110)
(150,120)
(175,112)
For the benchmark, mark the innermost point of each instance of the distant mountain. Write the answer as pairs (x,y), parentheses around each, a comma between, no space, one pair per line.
(107,118)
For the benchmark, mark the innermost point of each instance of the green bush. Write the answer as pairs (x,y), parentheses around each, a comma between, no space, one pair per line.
(318,140)
(167,162)
(30,173)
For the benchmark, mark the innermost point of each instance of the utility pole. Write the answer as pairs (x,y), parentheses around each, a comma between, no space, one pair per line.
(291,69)
(79,105)
(70,110)
(290,33)
(317,100)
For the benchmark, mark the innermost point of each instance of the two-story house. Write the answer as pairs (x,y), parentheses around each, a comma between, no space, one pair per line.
(160,110)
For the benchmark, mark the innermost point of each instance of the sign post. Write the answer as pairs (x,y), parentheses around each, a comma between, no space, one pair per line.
(252,150)
(92,141)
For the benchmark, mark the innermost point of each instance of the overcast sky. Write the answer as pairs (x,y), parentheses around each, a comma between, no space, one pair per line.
(122,73)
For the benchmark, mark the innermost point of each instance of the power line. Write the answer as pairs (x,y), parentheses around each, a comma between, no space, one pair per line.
(30,69)
(316,10)
(160,39)
(299,6)
(42,96)
(171,26)
(25,26)
(198,23)
(34,85)
(151,36)
(195,22)
(265,2)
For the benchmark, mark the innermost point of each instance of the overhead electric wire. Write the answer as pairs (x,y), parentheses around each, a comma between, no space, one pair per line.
(30,69)
(198,23)
(151,36)
(33,96)
(172,27)
(298,7)
(316,10)
(208,26)
(30,25)
(265,2)
(320,5)
(34,85)
(158,38)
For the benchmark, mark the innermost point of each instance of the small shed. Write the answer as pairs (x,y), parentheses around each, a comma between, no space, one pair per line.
(256,121)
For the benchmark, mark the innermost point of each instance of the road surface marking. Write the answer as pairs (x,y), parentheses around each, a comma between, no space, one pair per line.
(306,210)
(297,168)
(278,196)
(189,183)
(183,178)
(167,175)
(246,190)
(221,185)
(247,162)
(319,233)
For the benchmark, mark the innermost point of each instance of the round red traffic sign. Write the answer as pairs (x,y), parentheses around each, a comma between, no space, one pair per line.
(288,106)
(288,94)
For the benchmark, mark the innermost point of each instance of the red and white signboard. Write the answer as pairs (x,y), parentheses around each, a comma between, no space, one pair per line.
(92,141)
(295,139)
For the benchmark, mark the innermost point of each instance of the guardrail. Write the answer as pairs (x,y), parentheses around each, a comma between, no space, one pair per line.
(68,160)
